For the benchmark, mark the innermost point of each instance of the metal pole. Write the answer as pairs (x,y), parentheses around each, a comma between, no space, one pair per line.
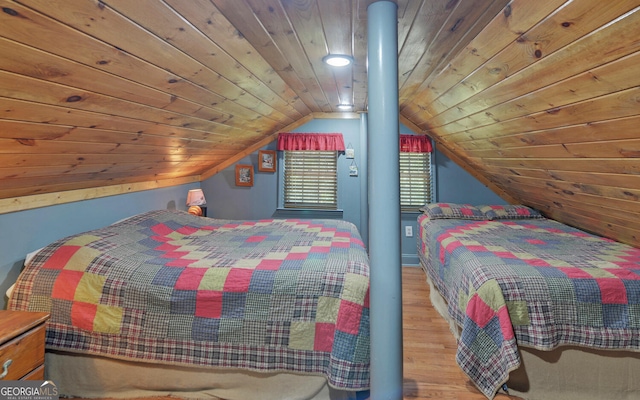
(364,182)
(384,203)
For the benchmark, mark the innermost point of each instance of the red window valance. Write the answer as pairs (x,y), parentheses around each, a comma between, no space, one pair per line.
(415,144)
(311,141)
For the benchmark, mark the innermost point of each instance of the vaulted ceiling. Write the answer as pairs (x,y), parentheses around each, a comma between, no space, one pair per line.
(537,99)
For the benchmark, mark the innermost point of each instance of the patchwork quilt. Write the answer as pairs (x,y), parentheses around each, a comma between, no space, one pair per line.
(530,282)
(169,287)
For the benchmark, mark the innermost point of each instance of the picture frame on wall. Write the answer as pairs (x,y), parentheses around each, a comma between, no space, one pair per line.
(349,152)
(244,175)
(267,161)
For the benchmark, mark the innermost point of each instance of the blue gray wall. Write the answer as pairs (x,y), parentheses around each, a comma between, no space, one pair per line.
(225,200)
(25,231)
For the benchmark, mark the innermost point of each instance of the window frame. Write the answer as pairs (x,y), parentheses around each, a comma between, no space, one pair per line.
(333,157)
(427,171)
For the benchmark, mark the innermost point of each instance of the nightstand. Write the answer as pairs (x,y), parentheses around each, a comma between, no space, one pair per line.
(22,339)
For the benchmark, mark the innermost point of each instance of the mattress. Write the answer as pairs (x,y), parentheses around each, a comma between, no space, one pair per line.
(170,288)
(533,283)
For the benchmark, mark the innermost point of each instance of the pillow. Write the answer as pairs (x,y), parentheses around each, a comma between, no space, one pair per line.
(452,210)
(10,291)
(509,211)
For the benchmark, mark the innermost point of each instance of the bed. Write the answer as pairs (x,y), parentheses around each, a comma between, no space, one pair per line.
(540,309)
(170,303)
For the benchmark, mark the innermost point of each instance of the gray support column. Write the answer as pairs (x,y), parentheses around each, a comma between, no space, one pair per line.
(384,203)
(364,182)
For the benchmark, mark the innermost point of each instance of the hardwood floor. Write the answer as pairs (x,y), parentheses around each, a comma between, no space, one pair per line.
(430,370)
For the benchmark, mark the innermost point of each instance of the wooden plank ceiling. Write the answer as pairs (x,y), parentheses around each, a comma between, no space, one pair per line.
(537,99)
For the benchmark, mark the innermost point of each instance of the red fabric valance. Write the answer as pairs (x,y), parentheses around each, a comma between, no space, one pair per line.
(415,144)
(311,141)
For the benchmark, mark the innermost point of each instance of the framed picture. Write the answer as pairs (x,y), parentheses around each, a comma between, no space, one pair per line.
(349,153)
(267,161)
(244,175)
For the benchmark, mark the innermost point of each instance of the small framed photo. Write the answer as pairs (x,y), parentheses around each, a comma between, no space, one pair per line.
(349,153)
(267,161)
(244,175)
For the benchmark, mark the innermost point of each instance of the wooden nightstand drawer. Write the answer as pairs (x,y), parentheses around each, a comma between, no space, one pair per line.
(35,375)
(22,340)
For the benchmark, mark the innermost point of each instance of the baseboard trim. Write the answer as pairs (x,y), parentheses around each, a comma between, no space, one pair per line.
(410,260)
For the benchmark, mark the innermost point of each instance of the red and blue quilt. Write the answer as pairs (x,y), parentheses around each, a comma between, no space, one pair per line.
(529,282)
(170,287)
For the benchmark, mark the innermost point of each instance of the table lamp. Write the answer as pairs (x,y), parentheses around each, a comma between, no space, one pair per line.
(196,202)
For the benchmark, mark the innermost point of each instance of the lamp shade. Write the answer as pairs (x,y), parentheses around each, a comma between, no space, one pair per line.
(195,197)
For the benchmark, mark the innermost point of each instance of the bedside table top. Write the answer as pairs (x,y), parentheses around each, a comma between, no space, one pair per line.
(14,323)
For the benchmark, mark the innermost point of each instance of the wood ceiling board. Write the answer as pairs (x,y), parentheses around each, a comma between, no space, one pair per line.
(583,54)
(506,27)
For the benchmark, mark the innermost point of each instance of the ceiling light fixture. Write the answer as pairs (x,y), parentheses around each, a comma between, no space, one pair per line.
(344,106)
(337,60)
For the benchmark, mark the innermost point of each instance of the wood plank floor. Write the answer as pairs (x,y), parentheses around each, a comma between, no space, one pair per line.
(430,370)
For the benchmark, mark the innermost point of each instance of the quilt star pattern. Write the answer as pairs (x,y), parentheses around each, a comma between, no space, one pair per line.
(533,283)
(169,287)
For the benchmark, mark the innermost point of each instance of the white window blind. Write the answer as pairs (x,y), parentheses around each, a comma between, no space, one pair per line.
(310,179)
(415,180)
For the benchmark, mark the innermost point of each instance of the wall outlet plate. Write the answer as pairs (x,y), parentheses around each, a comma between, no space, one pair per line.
(408,231)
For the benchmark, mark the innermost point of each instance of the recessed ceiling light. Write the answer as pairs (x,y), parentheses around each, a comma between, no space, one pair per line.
(344,106)
(337,60)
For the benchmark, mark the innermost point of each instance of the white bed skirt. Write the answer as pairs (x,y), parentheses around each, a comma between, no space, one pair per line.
(565,373)
(79,375)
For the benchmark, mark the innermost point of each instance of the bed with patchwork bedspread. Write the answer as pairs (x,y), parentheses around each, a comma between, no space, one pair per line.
(516,279)
(170,288)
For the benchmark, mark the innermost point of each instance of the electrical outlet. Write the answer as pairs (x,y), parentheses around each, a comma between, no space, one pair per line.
(408,231)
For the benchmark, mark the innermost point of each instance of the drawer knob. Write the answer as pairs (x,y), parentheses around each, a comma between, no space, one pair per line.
(5,368)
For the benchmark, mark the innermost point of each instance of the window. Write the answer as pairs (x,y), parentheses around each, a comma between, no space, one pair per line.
(310,179)
(415,180)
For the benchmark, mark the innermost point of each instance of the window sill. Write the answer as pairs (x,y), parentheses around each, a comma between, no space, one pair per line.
(409,212)
(307,213)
